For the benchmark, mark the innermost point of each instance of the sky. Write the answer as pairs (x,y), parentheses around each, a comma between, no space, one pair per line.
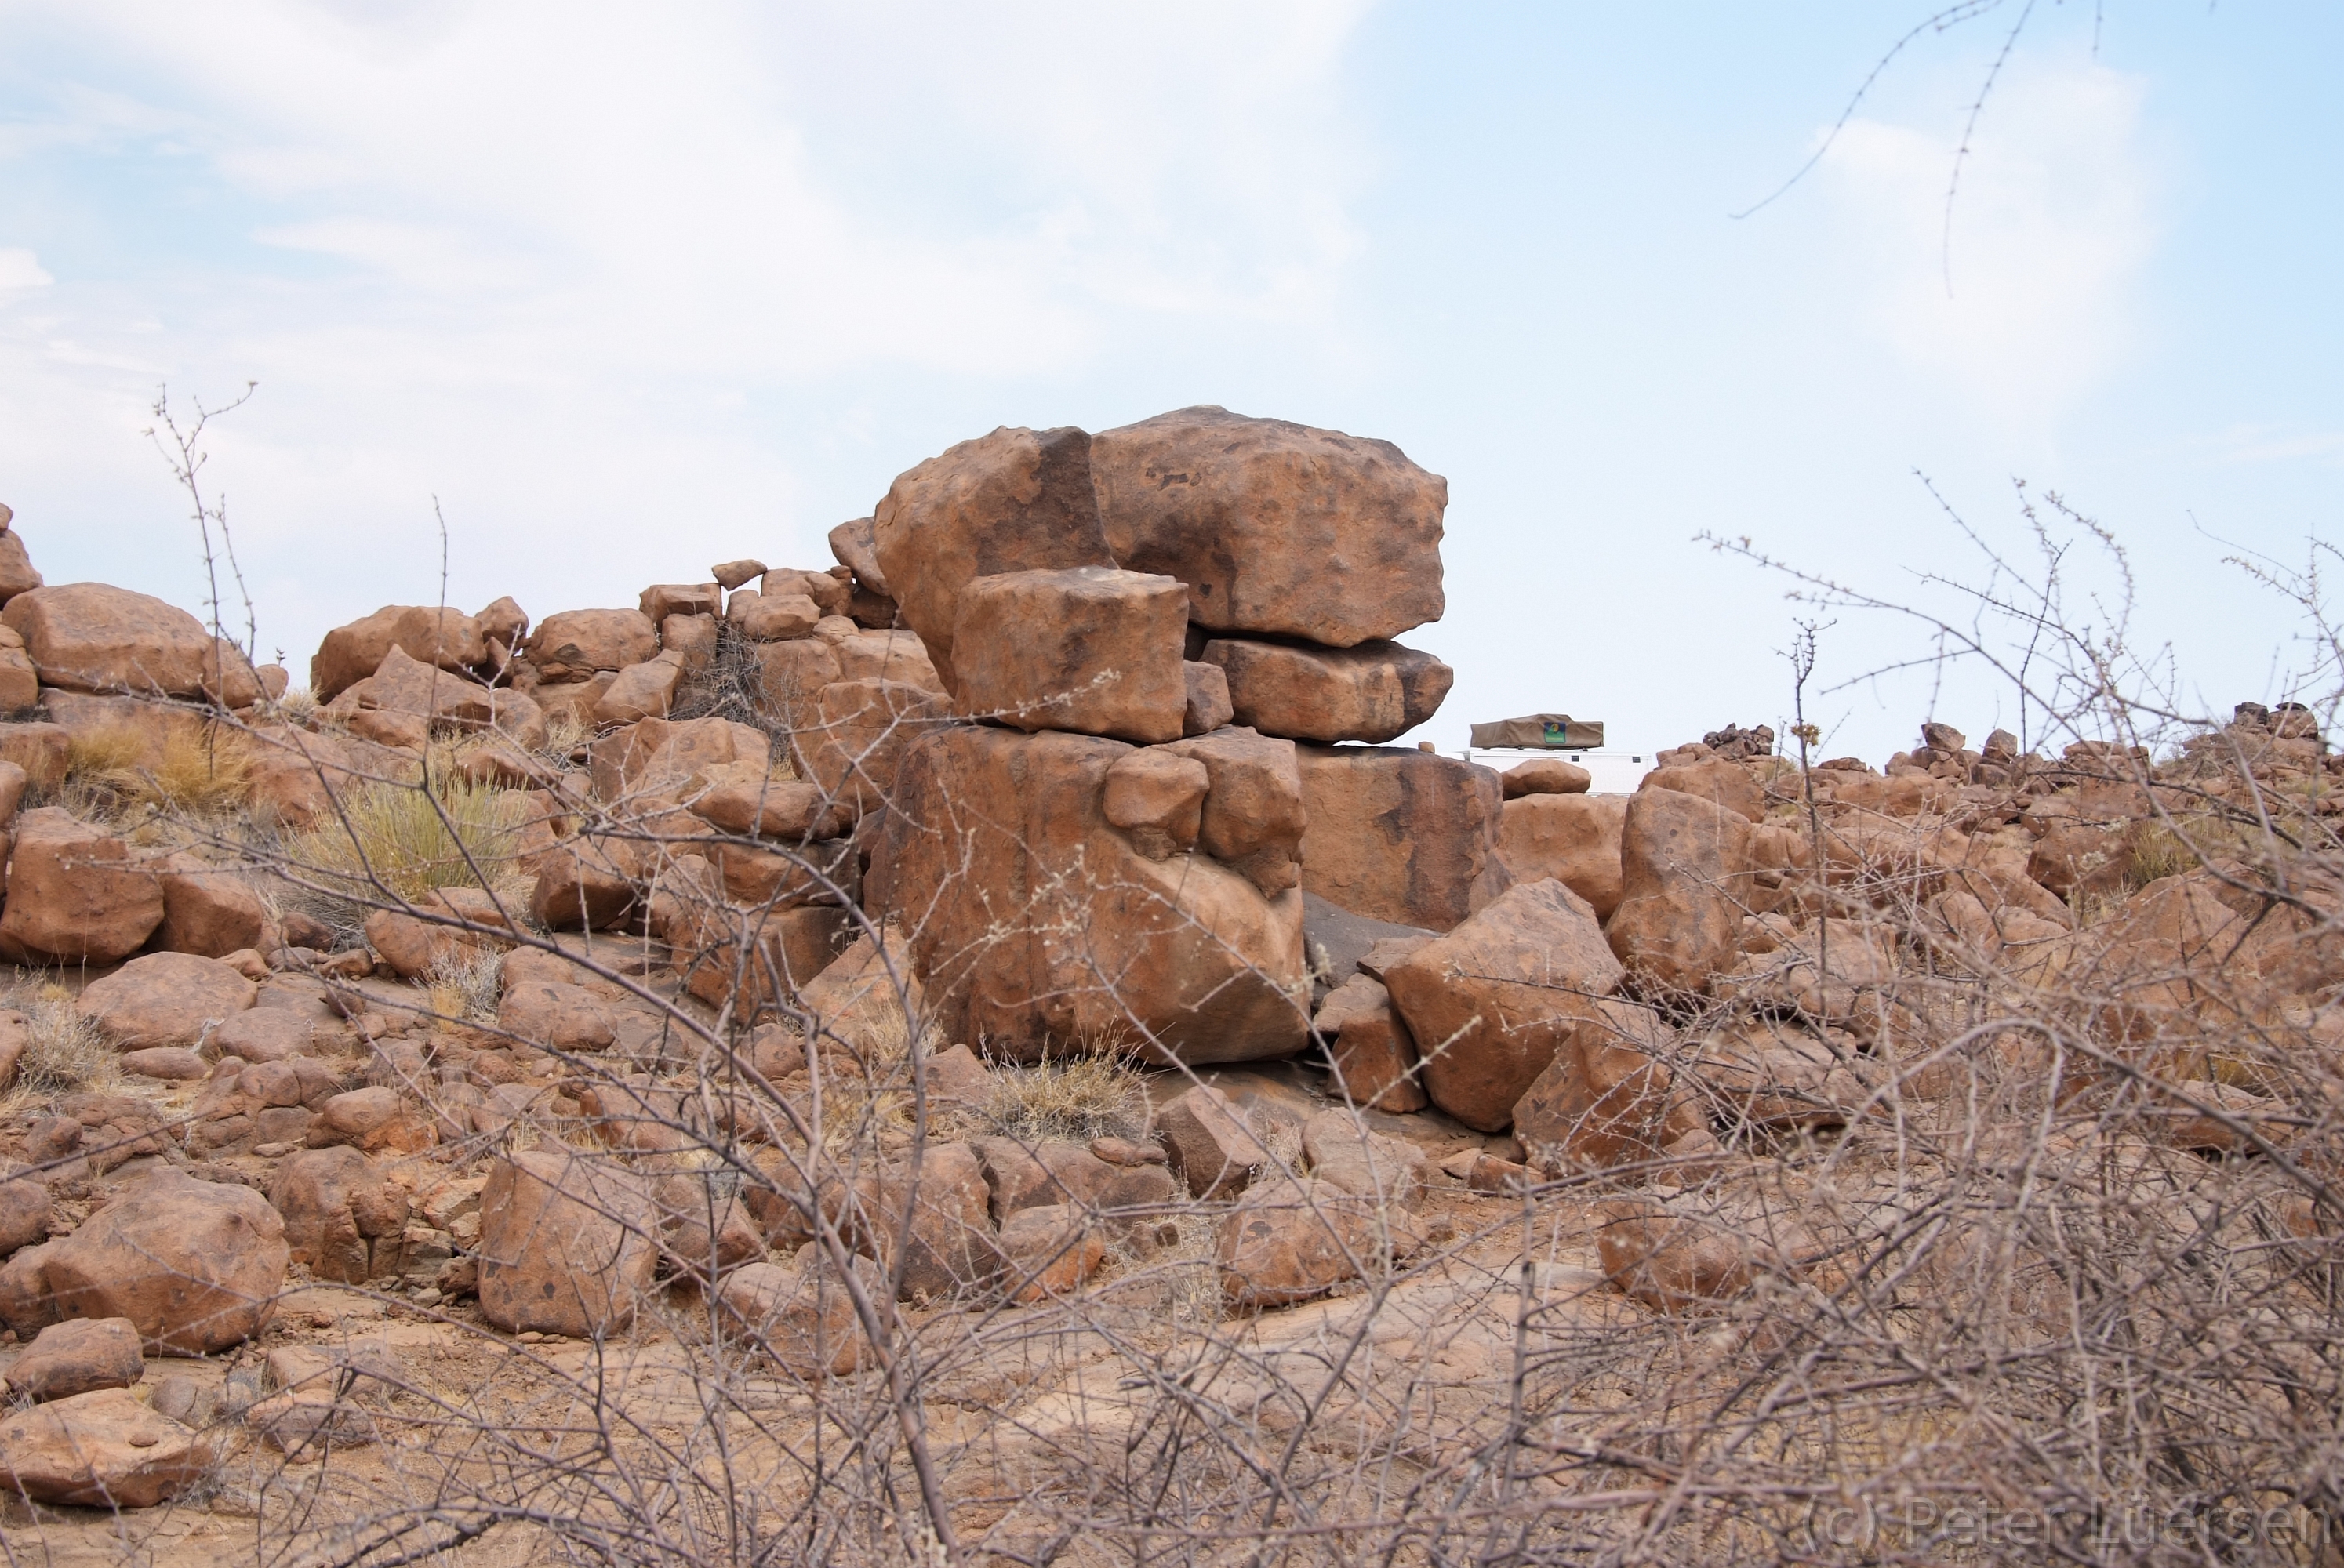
(620,291)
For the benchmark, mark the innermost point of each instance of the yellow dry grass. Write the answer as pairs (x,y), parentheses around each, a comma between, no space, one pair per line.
(411,840)
(1078,1098)
(205,774)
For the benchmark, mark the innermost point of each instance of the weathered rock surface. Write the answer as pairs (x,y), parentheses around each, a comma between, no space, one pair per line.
(1041,925)
(344,1220)
(1286,1241)
(1277,529)
(568,1244)
(1373,692)
(208,911)
(81,1356)
(1015,500)
(1400,835)
(1573,838)
(1211,1143)
(572,643)
(90,637)
(75,895)
(1608,1097)
(1091,650)
(1492,1003)
(434,636)
(195,1265)
(1682,882)
(101,1450)
(165,998)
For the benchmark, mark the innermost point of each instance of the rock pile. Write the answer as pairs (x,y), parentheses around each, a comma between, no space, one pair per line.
(1078,753)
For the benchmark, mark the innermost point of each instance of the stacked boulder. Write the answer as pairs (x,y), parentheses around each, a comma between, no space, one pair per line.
(1160,633)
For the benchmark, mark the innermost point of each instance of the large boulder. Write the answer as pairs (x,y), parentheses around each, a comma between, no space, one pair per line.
(16,573)
(1036,925)
(1374,1056)
(209,911)
(195,1265)
(573,643)
(1277,527)
(165,998)
(1252,816)
(861,731)
(1086,649)
(344,1219)
(1683,875)
(568,1244)
(1400,835)
(349,654)
(949,1246)
(1493,1001)
(91,637)
(101,1450)
(1014,500)
(856,543)
(1608,1098)
(1574,839)
(1375,691)
(80,1356)
(1286,1241)
(75,895)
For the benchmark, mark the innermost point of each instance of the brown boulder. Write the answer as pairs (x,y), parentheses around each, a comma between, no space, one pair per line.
(1389,1172)
(742,798)
(1276,527)
(27,1213)
(165,1063)
(1374,1056)
(1608,1098)
(861,730)
(1090,649)
(1545,776)
(1727,785)
(661,754)
(1400,835)
(195,1265)
(16,573)
(644,690)
(1157,798)
(1210,1142)
(1208,698)
(1014,500)
(577,642)
(804,1316)
(75,896)
(435,934)
(371,1118)
(90,637)
(856,543)
(1253,816)
(265,1034)
(164,999)
(101,1450)
(344,1220)
(1051,1251)
(949,1249)
(1574,839)
(586,884)
(831,593)
(568,1244)
(1039,924)
(504,622)
(773,618)
(661,600)
(889,655)
(1286,1241)
(209,911)
(352,653)
(78,1357)
(1373,692)
(1494,1000)
(1683,869)
(42,750)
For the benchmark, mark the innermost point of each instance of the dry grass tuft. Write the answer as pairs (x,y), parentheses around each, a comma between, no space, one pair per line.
(108,773)
(1078,1098)
(66,1052)
(412,840)
(465,986)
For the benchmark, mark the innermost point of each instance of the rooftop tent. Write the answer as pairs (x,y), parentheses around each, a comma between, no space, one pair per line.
(1558,730)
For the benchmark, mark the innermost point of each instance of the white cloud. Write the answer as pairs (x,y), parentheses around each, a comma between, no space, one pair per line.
(561,263)
(2024,300)
(20,268)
